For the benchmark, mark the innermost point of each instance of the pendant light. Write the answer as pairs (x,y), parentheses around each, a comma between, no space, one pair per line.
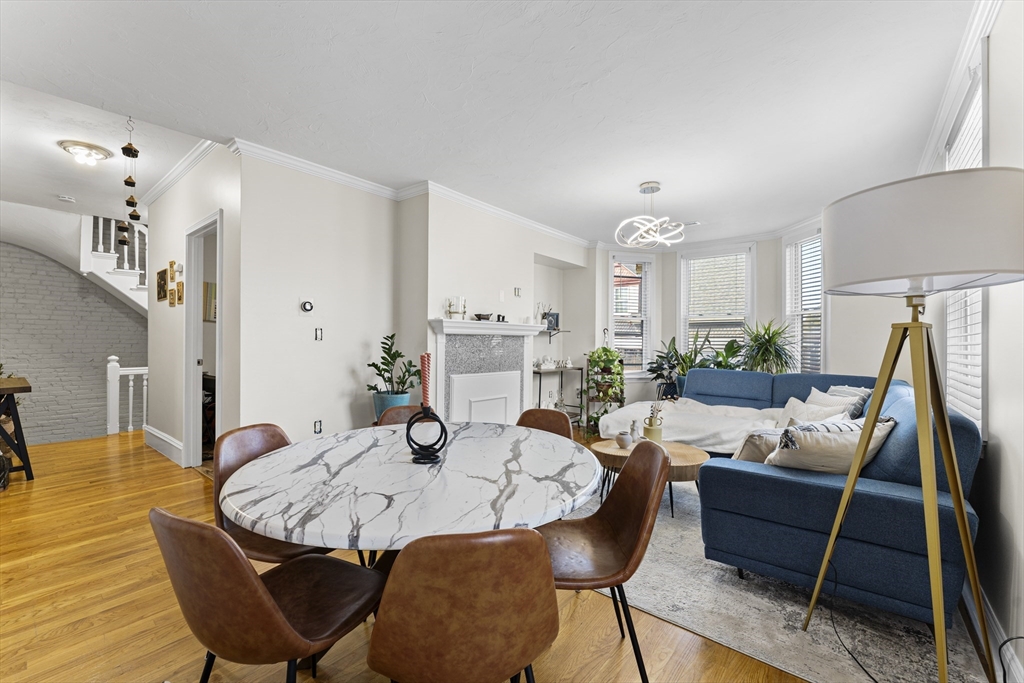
(647,232)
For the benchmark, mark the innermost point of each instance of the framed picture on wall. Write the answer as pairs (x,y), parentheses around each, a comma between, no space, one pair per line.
(170,270)
(161,285)
(172,297)
(181,293)
(209,302)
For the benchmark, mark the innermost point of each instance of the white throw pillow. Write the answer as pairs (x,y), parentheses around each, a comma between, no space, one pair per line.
(844,390)
(757,445)
(851,405)
(827,446)
(797,409)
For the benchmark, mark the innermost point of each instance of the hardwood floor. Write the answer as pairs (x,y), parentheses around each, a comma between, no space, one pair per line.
(84,595)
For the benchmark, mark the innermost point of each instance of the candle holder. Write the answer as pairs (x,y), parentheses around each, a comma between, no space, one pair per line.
(426,454)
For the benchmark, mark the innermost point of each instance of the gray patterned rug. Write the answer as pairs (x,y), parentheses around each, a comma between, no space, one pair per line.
(761,617)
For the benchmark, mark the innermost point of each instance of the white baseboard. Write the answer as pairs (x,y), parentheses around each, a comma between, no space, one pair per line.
(996,635)
(165,444)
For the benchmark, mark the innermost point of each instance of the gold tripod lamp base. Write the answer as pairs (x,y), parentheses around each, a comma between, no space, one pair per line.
(929,399)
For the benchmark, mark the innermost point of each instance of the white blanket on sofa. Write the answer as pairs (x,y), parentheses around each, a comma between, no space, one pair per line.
(719,429)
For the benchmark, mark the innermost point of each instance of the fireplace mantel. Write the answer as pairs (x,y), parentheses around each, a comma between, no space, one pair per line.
(446,326)
(481,349)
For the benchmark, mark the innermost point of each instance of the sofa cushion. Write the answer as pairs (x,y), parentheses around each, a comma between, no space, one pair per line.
(898,459)
(729,388)
(827,446)
(799,385)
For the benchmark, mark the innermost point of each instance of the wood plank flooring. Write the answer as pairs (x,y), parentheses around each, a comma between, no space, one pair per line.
(84,596)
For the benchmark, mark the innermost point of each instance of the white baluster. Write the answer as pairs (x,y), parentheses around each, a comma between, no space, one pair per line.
(136,247)
(125,249)
(145,398)
(131,402)
(113,239)
(113,395)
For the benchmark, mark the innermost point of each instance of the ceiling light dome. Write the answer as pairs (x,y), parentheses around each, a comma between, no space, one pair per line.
(84,152)
(647,232)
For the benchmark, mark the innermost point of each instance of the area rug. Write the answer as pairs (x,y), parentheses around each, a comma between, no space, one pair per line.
(761,617)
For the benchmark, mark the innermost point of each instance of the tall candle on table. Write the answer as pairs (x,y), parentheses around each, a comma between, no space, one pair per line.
(425,377)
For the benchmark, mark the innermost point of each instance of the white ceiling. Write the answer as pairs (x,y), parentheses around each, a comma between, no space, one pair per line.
(34,170)
(752,115)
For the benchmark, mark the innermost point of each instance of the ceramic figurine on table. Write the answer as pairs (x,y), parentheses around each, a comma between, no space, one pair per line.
(634,431)
(623,440)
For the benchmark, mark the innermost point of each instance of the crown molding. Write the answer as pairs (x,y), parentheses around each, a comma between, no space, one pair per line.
(444,192)
(251,149)
(412,191)
(187,163)
(983,18)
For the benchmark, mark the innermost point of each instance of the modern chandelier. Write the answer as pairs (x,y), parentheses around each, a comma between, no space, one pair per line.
(647,232)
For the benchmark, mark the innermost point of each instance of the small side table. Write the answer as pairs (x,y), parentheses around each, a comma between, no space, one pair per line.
(9,388)
(686,460)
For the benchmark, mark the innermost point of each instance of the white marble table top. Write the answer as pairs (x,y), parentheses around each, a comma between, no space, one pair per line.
(361,489)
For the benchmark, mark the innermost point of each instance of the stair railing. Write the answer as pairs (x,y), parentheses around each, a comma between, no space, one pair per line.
(114,374)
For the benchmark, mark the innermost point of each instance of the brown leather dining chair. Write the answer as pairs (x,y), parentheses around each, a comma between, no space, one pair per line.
(554,421)
(232,450)
(397,415)
(297,609)
(466,608)
(605,549)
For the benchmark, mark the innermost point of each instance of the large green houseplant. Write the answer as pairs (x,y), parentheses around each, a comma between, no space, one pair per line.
(768,348)
(605,383)
(397,377)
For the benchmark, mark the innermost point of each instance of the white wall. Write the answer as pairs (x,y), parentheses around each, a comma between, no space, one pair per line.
(769,299)
(547,289)
(306,237)
(213,184)
(998,486)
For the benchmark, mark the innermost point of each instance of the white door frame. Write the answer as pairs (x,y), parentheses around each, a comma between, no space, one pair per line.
(192,406)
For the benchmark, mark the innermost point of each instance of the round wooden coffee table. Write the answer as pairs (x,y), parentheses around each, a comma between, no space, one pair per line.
(686,460)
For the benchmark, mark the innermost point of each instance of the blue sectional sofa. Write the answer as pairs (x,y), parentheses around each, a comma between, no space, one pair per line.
(776,521)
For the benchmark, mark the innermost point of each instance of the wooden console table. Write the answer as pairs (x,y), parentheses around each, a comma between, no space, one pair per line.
(9,388)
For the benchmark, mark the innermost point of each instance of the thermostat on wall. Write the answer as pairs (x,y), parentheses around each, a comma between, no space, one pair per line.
(305,306)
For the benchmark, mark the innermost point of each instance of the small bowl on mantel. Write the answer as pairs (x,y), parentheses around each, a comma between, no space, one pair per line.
(483,316)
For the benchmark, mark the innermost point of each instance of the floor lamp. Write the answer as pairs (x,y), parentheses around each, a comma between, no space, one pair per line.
(928,234)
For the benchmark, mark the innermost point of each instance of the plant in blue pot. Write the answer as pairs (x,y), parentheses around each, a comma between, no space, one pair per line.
(397,377)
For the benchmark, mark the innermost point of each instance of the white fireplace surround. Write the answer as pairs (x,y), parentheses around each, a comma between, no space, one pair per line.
(471,387)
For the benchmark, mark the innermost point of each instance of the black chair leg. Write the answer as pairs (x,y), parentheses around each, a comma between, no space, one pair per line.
(632,635)
(618,616)
(529,674)
(739,573)
(208,667)
(372,560)
(312,665)
(671,500)
(362,558)
(515,679)
(291,670)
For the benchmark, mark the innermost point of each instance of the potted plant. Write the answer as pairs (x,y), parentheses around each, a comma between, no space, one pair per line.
(695,357)
(605,382)
(397,377)
(768,348)
(730,357)
(664,369)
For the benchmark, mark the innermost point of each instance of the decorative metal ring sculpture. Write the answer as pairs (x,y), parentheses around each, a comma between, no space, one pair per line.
(646,232)
(426,454)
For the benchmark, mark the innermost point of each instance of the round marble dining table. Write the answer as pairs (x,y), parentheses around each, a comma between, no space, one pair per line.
(361,490)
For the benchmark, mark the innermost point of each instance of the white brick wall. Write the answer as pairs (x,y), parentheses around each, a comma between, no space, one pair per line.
(57,329)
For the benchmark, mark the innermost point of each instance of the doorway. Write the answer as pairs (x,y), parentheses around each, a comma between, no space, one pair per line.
(203,278)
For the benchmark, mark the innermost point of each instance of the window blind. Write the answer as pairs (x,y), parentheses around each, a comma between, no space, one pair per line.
(803,301)
(964,308)
(716,298)
(631,328)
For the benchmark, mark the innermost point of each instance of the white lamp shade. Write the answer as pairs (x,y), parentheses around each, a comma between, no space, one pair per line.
(927,234)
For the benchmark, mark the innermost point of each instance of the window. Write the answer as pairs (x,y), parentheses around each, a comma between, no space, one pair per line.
(965,308)
(803,301)
(631,310)
(716,297)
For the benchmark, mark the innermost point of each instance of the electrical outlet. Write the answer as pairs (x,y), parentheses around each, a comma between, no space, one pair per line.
(317,427)
(551,394)
(517,292)
(318,334)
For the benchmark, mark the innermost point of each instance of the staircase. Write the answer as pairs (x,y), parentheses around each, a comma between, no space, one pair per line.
(121,270)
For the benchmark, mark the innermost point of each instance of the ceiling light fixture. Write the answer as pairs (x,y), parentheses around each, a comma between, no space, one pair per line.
(84,152)
(646,232)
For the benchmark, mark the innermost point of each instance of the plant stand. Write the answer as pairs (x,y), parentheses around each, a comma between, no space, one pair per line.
(593,377)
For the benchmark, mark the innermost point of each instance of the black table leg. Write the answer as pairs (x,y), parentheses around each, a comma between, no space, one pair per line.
(9,404)
(671,500)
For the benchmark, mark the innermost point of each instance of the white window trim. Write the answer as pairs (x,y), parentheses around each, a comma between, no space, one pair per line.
(718,250)
(650,259)
(787,242)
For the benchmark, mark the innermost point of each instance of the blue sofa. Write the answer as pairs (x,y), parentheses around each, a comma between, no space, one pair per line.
(776,521)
